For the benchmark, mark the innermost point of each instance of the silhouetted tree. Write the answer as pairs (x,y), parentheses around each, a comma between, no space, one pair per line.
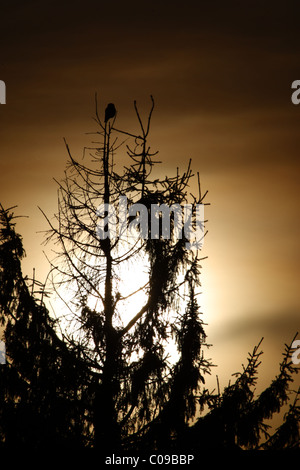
(137,383)
(107,379)
(43,385)
(236,419)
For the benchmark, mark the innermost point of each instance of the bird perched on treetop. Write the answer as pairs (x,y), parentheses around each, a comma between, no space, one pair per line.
(110,112)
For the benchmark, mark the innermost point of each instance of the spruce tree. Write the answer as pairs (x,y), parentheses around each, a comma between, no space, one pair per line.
(138,385)
(44,383)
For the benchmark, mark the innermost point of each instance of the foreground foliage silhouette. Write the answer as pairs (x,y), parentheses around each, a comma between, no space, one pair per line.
(105,380)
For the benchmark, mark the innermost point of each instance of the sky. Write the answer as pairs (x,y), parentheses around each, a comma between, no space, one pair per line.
(221,75)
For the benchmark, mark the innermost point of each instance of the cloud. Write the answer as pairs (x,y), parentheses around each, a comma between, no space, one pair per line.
(277,327)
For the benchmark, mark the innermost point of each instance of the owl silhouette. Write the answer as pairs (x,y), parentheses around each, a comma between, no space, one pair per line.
(110,112)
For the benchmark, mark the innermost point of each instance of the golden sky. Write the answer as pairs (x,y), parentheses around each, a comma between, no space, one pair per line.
(221,74)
